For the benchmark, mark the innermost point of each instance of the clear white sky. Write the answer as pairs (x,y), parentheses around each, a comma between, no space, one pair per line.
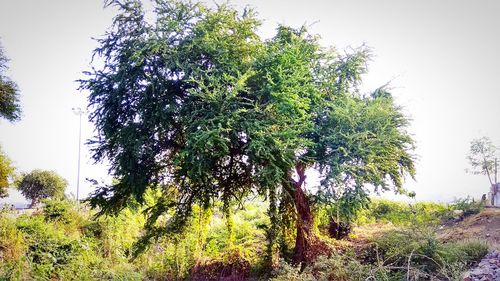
(441,56)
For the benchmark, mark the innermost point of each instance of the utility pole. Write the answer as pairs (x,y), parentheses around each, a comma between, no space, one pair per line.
(78,111)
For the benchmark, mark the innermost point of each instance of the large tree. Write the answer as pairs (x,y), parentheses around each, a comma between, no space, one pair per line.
(196,104)
(41,184)
(9,93)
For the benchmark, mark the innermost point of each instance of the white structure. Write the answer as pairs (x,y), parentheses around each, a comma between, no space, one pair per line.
(494,195)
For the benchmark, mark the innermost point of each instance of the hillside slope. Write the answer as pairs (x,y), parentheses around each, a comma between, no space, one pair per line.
(485,225)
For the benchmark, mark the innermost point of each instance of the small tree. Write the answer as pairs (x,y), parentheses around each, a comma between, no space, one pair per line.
(40,184)
(9,93)
(6,173)
(482,158)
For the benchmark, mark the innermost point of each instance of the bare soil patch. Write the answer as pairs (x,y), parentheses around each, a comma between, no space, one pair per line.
(485,226)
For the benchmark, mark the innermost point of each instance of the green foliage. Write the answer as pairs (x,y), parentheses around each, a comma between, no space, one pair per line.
(467,251)
(118,234)
(57,210)
(380,210)
(49,250)
(12,249)
(419,213)
(40,184)
(401,254)
(6,173)
(468,205)
(63,242)
(287,272)
(419,254)
(346,208)
(400,213)
(197,106)
(201,244)
(249,236)
(10,108)
(56,244)
(336,267)
(370,131)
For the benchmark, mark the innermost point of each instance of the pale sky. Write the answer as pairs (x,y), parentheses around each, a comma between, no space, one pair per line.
(442,59)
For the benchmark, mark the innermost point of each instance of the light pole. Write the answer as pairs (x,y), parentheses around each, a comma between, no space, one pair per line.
(78,111)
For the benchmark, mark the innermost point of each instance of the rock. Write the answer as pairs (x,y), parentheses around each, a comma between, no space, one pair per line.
(457,214)
(488,269)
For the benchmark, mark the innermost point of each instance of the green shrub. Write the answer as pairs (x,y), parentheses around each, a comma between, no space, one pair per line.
(117,234)
(430,212)
(62,244)
(466,251)
(422,254)
(389,211)
(468,205)
(12,246)
(400,213)
(49,250)
(12,250)
(57,210)
(338,267)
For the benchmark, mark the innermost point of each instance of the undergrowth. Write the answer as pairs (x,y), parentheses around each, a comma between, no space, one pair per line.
(63,241)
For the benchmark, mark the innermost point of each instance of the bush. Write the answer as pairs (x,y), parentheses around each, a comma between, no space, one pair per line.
(417,253)
(60,243)
(403,214)
(384,210)
(335,267)
(12,246)
(12,250)
(468,205)
(231,266)
(49,250)
(466,251)
(58,210)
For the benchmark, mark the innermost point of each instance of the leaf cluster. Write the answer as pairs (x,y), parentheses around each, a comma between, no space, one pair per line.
(10,108)
(6,173)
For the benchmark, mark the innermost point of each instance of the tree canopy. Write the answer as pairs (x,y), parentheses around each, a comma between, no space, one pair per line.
(483,159)
(10,108)
(41,184)
(6,173)
(196,104)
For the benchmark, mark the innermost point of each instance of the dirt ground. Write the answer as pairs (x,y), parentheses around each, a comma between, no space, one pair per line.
(485,226)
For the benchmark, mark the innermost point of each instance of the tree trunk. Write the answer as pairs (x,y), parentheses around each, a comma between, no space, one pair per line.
(272,235)
(33,204)
(337,229)
(305,237)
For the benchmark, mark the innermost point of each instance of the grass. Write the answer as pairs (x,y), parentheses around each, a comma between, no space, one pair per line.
(392,241)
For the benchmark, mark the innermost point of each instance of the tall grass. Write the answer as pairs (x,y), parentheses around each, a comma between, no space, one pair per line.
(63,242)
